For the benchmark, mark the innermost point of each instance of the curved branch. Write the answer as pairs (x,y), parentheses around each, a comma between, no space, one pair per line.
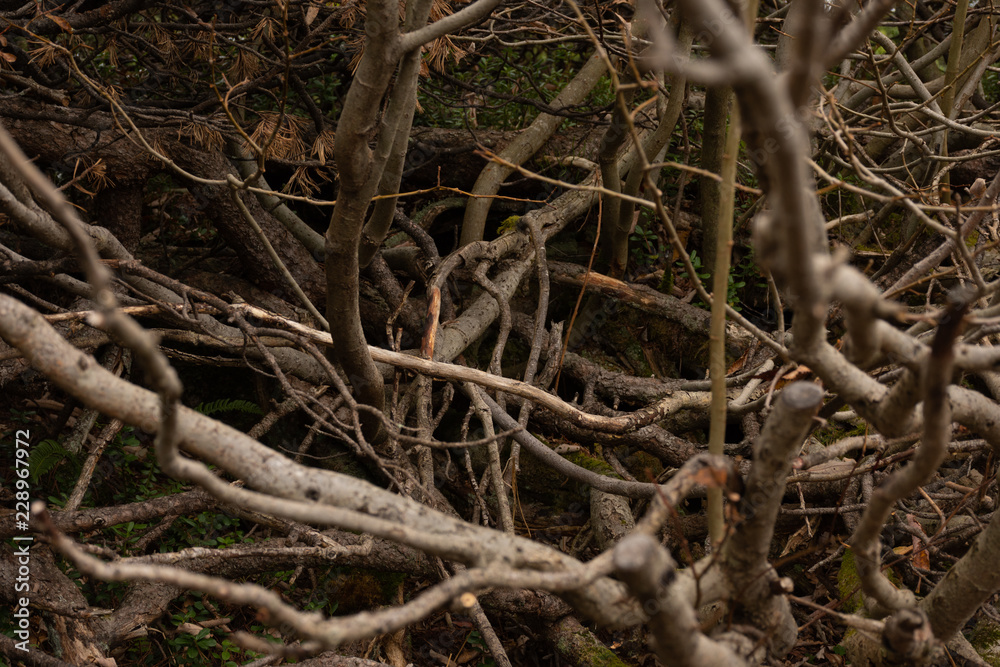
(527,142)
(650,573)
(744,554)
(929,456)
(449,24)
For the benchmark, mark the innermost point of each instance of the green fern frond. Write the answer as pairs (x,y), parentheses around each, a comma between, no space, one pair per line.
(229,405)
(45,456)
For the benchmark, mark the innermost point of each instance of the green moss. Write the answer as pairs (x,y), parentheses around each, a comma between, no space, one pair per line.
(985,638)
(584,459)
(539,483)
(849,584)
(585,647)
(835,431)
(667,282)
(508,225)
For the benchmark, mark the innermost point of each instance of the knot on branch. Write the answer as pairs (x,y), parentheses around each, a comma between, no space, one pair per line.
(908,637)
